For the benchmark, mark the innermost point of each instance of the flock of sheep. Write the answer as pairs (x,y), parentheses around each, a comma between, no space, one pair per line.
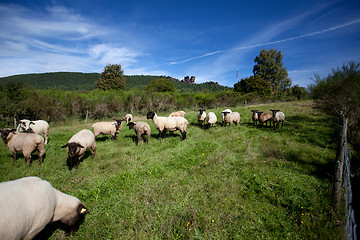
(34,203)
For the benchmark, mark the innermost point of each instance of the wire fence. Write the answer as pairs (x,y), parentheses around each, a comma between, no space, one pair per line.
(350,227)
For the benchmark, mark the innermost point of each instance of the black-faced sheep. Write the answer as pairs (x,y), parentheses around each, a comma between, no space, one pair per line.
(77,145)
(169,124)
(177,114)
(233,117)
(29,204)
(277,117)
(264,118)
(108,128)
(23,142)
(211,119)
(38,126)
(222,115)
(254,116)
(201,117)
(141,129)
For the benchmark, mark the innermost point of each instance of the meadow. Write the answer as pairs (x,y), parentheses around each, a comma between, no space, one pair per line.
(241,182)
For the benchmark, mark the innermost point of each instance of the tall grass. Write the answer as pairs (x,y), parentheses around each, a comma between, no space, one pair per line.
(241,182)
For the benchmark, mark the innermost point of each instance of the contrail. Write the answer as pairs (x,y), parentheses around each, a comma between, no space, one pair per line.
(274,42)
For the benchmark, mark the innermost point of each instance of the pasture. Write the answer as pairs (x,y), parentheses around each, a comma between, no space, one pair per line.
(241,182)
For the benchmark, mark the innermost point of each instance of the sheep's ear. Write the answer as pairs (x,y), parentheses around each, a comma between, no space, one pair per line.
(82,210)
(65,145)
(80,146)
(31,123)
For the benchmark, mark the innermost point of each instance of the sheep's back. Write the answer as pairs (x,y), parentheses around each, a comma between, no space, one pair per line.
(84,137)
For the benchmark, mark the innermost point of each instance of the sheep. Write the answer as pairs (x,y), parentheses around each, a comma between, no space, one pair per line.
(177,114)
(254,116)
(222,115)
(23,142)
(201,117)
(108,128)
(277,117)
(29,204)
(128,118)
(77,145)
(38,126)
(170,124)
(140,128)
(264,118)
(233,117)
(211,119)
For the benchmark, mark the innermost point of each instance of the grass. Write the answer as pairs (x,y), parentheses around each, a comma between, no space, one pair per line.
(239,182)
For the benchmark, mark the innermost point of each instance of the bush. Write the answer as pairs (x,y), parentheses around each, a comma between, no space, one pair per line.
(160,85)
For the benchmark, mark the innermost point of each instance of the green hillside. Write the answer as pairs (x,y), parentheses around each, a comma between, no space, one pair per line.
(86,81)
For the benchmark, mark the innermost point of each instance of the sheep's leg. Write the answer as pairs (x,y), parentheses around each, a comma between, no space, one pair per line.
(14,157)
(27,160)
(183,135)
(114,137)
(94,151)
(46,138)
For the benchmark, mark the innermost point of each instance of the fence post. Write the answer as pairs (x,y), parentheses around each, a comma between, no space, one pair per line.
(340,156)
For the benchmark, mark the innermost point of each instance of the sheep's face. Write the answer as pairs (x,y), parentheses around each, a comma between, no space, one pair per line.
(201,111)
(73,148)
(131,125)
(73,219)
(225,113)
(26,125)
(150,115)
(6,132)
(118,124)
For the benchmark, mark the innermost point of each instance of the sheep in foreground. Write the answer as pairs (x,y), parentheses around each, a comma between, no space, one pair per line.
(264,118)
(38,126)
(177,114)
(77,145)
(211,119)
(108,128)
(222,115)
(201,117)
(128,118)
(255,117)
(23,142)
(277,117)
(141,129)
(233,117)
(170,124)
(29,204)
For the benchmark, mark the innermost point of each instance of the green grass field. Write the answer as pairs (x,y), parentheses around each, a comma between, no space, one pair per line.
(239,182)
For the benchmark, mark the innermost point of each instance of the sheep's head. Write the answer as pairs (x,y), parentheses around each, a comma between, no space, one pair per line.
(225,113)
(25,124)
(118,123)
(5,134)
(254,111)
(201,111)
(131,125)
(72,148)
(150,115)
(73,218)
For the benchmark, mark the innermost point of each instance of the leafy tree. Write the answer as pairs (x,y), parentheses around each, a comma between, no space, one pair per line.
(269,67)
(111,78)
(299,92)
(252,84)
(339,95)
(161,85)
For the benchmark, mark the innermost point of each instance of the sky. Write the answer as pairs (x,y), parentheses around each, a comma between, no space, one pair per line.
(211,40)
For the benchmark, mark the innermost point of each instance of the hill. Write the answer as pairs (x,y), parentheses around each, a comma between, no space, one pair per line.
(86,81)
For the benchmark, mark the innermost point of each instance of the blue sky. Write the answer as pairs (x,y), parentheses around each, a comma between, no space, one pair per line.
(202,38)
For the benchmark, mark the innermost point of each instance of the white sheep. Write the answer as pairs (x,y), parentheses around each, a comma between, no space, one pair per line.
(211,119)
(108,128)
(277,117)
(254,116)
(177,114)
(38,126)
(140,128)
(222,115)
(77,145)
(23,142)
(128,118)
(201,117)
(264,118)
(28,204)
(170,124)
(233,117)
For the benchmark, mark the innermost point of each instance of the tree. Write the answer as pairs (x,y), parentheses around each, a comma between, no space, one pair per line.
(339,95)
(111,78)
(252,84)
(269,67)
(160,85)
